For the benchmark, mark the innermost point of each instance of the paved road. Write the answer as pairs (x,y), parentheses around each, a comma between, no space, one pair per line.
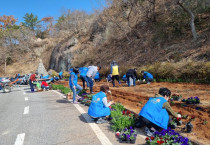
(45,118)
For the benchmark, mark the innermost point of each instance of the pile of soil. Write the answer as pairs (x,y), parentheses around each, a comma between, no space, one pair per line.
(134,98)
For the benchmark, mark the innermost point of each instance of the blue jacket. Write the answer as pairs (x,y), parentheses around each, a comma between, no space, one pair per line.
(46,77)
(83,71)
(97,107)
(153,111)
(148,75)
(73,79)
(60,73)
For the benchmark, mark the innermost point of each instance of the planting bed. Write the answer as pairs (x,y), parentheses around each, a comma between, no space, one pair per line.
(134,98)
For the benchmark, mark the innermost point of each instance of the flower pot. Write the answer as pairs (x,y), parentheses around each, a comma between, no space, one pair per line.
(127,139)
(132,141)
(122,140)
(179,123)
(189,127)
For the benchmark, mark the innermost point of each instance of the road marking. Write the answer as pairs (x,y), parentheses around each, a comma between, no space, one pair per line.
(26,98)
(26,110)
(99,133)
(24,93)
(20,139)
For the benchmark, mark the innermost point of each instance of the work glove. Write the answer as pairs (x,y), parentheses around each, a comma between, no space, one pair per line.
(143,80)
(179,115)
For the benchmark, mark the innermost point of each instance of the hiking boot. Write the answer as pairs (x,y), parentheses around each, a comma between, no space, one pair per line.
(100,121)
(148,132)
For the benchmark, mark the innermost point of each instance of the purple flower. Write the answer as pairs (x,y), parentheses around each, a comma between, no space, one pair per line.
(128,135)
(131,127)
(132,131)
(125,129)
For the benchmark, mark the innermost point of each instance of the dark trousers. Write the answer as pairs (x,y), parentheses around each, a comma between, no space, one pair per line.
(149,80)
(31,86)
(90,81)
(117,78)
(145,122)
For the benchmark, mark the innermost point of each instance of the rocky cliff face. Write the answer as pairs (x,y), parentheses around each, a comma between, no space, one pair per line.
(61,57)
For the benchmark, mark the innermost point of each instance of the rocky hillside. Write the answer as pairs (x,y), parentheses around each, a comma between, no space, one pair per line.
(134,33)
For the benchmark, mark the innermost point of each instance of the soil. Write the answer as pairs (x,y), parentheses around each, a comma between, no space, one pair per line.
(134,98)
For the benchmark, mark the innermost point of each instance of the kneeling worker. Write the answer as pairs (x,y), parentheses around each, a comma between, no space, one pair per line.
(99,106)
(155,113)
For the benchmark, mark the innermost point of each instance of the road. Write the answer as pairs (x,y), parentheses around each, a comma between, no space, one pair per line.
(45,118)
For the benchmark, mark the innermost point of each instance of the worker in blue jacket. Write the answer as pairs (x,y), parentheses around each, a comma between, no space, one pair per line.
(99,106)
(73,79)
(60,75)
(155,113)
(148,77)
(83,72)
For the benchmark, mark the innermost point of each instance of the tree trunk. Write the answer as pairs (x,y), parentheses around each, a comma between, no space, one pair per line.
(192,24)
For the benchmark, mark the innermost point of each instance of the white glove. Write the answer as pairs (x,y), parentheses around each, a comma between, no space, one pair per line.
(138,80)
(109,91)
(179,115)
(143,80)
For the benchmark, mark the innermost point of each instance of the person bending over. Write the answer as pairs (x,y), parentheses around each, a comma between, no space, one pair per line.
(148,77)
(155,113)
(131,73)
(99,107)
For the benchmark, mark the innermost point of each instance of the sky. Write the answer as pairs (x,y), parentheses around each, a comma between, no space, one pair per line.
(46,8)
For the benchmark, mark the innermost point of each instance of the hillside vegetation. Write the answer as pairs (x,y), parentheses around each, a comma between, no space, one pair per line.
(168,38)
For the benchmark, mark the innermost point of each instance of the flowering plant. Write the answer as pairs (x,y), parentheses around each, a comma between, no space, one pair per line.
(192,118)
(193,100)
(168,136)
(184,116)
(129,113)
(176,97)
(128,134)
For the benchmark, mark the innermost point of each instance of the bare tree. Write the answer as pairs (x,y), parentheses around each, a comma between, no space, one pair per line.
(192,23)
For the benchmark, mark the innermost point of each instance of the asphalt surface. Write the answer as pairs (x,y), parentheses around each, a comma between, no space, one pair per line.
(45,118)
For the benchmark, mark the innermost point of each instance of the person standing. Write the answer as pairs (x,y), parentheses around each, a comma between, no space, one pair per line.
(83,77)
(31,80)
(148,77)
(131,73)
(155,113)
(60,75)
(92,70)
(99,106)
(115,72)
(73,79)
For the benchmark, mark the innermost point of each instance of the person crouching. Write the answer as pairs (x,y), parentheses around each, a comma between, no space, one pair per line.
(99,107)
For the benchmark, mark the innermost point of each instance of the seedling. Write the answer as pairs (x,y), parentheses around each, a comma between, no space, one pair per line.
(205,122)
(184,116)
(192,118)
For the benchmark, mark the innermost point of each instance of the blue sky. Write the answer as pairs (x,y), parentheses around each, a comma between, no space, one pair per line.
(45,8)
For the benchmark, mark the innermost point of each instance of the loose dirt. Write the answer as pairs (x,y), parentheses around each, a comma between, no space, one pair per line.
(134,98)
